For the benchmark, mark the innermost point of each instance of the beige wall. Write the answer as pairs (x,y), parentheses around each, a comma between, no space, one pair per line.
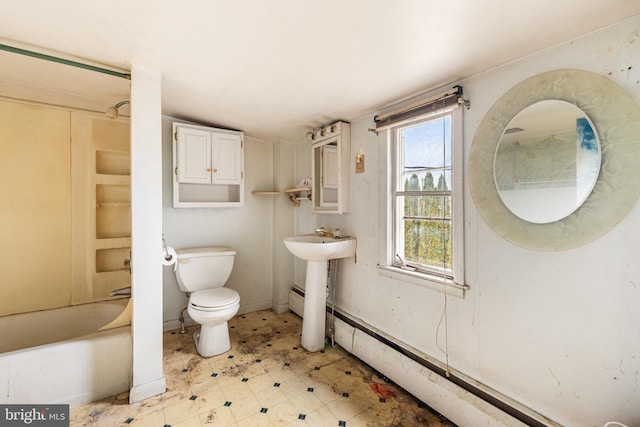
(35,218)
(48,218)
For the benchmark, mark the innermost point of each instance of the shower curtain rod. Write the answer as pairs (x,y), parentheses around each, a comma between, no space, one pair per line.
(64,61)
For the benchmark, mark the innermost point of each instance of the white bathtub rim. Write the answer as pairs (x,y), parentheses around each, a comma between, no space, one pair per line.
(86,337)
(28,322)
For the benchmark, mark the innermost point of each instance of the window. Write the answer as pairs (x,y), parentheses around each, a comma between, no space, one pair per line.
(422,193)
(424,240)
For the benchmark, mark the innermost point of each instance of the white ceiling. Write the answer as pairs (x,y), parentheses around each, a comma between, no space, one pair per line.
(276,68)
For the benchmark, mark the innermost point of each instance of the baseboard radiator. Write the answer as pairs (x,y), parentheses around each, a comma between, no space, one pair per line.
(457,397)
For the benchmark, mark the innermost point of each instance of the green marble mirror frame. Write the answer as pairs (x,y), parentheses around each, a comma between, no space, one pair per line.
(616,117)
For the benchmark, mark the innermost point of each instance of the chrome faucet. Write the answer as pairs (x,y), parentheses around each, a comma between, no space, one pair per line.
(324,232)
(121,291)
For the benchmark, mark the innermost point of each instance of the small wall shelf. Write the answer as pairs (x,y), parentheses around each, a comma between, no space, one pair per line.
(297,194)
(264,193)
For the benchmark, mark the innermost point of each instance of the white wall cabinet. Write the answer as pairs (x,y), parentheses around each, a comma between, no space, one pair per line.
(208,167)
(331,150)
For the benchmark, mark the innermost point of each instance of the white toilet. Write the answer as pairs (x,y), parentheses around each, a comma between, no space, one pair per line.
(202,272)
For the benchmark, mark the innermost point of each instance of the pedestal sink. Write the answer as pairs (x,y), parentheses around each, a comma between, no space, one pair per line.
(317,250)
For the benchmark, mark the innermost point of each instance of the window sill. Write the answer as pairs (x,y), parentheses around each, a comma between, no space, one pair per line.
(425,280)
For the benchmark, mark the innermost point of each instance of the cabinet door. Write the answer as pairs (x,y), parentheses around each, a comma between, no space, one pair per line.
(227,158)
(330,170)
(193,155)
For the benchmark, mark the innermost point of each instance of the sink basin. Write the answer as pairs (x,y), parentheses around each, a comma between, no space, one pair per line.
(317,251)
(312,247)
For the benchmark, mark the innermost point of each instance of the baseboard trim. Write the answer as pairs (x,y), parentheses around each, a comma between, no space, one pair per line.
(150,389)
(171,325)
(280,308)
(256,306)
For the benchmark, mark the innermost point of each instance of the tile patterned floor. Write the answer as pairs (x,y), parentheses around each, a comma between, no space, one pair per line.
(266,379)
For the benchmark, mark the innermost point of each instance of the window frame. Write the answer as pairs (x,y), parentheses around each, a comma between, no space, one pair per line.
(388,266)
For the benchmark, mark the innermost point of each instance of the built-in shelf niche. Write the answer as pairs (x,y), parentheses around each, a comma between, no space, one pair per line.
(113,221)
(113,195)
(113,211)
(113,162)
(108,260)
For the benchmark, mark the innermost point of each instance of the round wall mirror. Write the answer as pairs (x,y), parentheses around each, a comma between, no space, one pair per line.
(615,117)
(547,161)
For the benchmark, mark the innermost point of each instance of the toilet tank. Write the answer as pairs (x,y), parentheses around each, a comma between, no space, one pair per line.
(203,268)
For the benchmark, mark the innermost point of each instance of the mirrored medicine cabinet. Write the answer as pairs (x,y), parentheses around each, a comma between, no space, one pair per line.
(331,148)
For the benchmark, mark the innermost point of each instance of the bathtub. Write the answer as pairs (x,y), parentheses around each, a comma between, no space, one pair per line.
(63,356)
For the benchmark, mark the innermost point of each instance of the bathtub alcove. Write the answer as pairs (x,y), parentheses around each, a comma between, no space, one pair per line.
(64,339)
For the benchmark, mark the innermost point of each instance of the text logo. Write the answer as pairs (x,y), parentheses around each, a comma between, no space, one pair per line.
(34,415)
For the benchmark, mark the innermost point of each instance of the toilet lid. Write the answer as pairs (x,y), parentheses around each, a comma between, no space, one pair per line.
(213,298)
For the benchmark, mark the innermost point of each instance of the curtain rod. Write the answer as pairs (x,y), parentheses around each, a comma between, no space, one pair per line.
(64,61)
(455,90)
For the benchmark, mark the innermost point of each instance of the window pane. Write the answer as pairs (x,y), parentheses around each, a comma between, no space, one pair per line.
(425,231)
(428,244)
(424,154)
(426,207)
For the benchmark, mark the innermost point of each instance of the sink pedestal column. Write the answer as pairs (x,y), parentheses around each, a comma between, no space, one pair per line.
(317,250)
(315,306)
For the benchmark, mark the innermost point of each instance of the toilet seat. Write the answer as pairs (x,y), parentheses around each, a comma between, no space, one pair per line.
(213,299)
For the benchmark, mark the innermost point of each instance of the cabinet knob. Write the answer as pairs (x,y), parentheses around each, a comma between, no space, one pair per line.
(215,170)
(208,169)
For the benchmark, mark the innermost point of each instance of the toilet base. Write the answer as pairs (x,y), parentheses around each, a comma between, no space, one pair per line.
(212,340)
